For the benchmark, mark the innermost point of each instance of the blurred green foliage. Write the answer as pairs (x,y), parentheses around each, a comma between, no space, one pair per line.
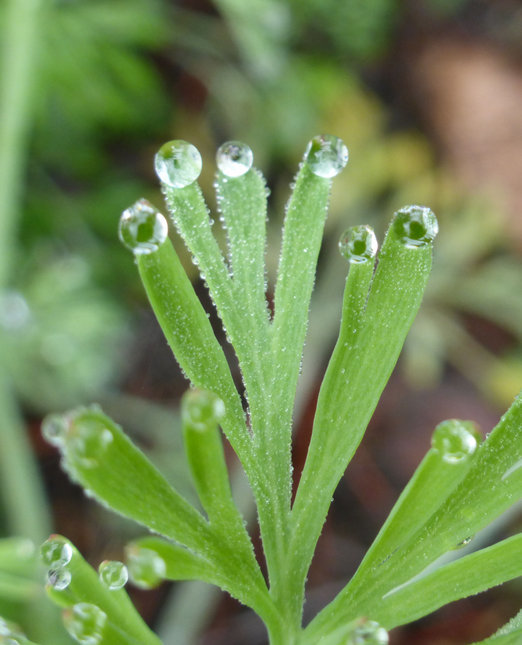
(110,80)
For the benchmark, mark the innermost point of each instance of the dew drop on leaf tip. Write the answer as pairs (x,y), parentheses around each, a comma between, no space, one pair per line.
(455,441)
(202,408)
(59,578)
(234,158)
(326,155)
(56,552)
(142,228)
(88,442)
(368,632)
(146,568)
(54,429)
(85,623)
(415,226)
(358,244)
(113,574)
(178,163)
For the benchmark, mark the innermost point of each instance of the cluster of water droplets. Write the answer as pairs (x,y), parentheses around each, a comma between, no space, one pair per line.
(455,441)
(56,553)
(178,163)
(146,568)
(367,632)
(415,226)
(234,158)
(85,623)
(358,244)
(142,228)
(326,155)
(113,574)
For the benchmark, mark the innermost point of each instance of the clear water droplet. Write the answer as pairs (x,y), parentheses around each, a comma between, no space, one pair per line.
(234,158)
(85,623)
(178,163)
(142,228)
(88,442)
(146,568)
(56,552)
(59,579)
(368,632)
(415,226)
(113,574)
(455,440)
(54,429)
(201,408)
(358,244)
(326,155)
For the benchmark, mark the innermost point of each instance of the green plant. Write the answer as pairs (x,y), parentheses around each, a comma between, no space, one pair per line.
(461,485)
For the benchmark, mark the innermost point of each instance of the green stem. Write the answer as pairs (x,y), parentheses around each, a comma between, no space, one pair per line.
(18,55)
(22,491)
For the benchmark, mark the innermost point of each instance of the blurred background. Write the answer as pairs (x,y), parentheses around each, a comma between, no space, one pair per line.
(427,96)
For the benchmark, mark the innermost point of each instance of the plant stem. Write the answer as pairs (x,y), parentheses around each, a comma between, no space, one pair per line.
(18,54)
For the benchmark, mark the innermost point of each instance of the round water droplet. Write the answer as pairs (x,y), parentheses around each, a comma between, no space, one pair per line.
(59,579)
(142,228)
(54,429)
(178,163)
(326,155)
(368,632)
(415,226)
(146,568)
(455,440)
(113,574)
(234,158)
(56,552)
(358,244)
(85,623)
(88,442)
(201,408)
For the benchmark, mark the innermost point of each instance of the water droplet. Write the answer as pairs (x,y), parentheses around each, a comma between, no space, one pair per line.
(54,429)
(56,552)
(234,158)
(326,155)
(358,244)
(201,408)
(178,163)
(85,623)
(142,228)
(368,632)
(59,578)
(88,442)
(146,568)
(455,440)
(113,574)
(415,225)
